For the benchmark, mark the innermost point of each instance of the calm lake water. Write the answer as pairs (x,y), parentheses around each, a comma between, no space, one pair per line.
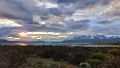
(61,44)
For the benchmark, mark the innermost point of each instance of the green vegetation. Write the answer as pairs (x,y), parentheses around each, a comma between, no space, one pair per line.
(108,43)
(85,65)
(58,57)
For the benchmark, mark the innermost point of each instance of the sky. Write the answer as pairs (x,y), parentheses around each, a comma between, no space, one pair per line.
(58,19)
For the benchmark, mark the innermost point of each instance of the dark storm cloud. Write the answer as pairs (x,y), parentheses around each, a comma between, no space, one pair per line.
(6,31)
(104,22)
(84,3)
(44,17)
(55,11)
(15,9)
(78,25)
(23,11)
(67,1)
(84,21)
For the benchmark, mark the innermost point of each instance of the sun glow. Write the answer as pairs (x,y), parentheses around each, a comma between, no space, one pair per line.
(13,38)
(41,35)
(9,23)
(22,44)
(22,35)
(38,33)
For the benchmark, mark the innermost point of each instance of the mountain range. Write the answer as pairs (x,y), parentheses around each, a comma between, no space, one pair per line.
(77,39)
(94,38)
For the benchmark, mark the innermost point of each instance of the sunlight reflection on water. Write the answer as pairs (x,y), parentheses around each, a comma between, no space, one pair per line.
(22,44)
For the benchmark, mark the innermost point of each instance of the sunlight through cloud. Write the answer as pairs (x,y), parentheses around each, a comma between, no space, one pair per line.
(9,23)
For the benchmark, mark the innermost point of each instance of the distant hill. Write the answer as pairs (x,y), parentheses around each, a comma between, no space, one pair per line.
(26,41)
(3,41)
(94,38)
(6,41)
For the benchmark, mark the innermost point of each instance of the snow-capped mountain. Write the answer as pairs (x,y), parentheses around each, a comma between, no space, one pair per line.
(94,38)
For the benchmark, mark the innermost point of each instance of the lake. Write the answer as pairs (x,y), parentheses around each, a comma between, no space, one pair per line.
(61,44)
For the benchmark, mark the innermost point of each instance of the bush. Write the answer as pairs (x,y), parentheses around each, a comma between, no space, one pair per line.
(85,65)
(114,51)
(99,56)
(94,62)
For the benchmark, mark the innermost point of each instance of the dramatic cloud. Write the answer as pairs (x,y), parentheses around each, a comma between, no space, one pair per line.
(105,22)
(68,17)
